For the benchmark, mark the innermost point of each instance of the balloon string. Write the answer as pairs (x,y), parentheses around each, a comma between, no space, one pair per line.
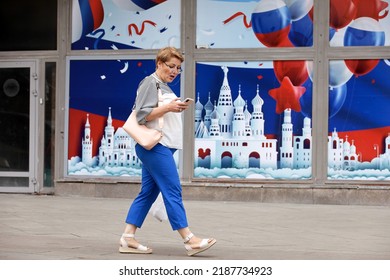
(137,31)
(247,25)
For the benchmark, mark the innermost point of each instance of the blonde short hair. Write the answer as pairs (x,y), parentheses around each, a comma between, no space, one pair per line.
(167,53)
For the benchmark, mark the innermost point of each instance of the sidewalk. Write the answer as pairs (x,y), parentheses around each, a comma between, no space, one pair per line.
(72,228)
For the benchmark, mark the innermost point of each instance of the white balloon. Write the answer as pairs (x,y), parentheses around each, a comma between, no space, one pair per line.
(269,5)
(339,73)
(299,8)
(77,23)
(309,67)
(127,5)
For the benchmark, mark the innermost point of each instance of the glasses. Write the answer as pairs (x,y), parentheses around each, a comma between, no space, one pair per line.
(172,67)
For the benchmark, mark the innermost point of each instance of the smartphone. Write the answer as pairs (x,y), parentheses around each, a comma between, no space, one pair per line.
(188,100)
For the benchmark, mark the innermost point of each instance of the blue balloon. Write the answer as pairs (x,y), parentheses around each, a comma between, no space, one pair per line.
(301,32)
(332,31)
(306,100)
(270,21)
(337,96)
(359,34)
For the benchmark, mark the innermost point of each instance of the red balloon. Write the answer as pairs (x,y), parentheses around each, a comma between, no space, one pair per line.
(342,12)
(311,13)
(276,39)
(371,8)
(296,70)
(361,66)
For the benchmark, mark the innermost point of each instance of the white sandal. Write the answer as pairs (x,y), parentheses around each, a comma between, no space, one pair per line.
(203,246)
(125,248)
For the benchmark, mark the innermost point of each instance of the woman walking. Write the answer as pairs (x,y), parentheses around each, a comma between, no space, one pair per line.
(159,172)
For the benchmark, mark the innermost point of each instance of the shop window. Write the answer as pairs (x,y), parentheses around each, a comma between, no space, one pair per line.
(268,95)
(358,117)
(254,24)
(128,24)
(28,25)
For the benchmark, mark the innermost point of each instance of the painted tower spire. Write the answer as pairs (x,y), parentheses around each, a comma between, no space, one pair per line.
(87,144)
(225,106)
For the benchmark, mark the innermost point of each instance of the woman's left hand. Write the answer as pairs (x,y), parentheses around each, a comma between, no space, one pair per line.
(178,106)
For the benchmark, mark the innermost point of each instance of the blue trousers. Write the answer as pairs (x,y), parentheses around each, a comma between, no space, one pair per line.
(159,174)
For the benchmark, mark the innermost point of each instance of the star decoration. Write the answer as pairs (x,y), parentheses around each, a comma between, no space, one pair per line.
(287,96)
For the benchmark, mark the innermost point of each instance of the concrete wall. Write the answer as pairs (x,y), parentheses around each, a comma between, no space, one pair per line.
(328,194)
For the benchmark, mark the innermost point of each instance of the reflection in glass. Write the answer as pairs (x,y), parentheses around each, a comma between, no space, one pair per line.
(14,182)
(50,100)
(14,119)
(28,25)
(359,134)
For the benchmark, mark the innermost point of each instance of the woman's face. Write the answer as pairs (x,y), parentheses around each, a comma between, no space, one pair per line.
(167,71)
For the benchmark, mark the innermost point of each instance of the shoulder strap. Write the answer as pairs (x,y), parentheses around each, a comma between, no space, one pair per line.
(160,100)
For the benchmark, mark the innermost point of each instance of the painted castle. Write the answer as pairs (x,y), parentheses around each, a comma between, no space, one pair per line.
(116,147)
(227,135)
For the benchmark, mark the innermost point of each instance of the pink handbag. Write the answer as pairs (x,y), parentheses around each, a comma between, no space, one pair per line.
(146,137)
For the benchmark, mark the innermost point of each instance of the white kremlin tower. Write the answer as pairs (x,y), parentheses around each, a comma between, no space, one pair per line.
(302,147)
(239,122)
(335,151)
(225,107)
(286,145)
(209,108)
(87,144)
(198,114)
(257,121)
(384,159)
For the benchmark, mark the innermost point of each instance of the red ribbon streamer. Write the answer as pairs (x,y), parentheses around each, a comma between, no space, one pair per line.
(247,25)
(137,31)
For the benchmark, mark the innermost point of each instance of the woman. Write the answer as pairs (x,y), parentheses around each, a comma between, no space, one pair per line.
(159,173)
